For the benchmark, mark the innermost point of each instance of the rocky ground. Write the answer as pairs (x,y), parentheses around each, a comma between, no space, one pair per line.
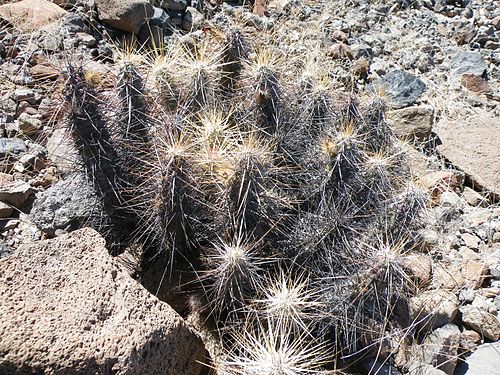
(437,64)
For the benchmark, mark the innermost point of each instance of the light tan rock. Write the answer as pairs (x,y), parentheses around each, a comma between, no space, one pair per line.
(434,308)
(15,193)
(471,144)
(481,321)
(68,307)
(29,15)
(413,124)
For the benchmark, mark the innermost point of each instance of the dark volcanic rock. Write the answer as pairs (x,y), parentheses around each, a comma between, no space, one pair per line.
(403,88)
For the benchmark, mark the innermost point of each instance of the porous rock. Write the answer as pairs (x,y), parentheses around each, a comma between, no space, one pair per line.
(67,307)
(70,203)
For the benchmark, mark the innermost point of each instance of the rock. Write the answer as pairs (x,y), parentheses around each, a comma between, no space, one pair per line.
(496,22)
(62,151)
(485,360)
(44,72)
(472,197)
(469,63)
(469,340)
(73,23)
(471,241)
(475,83)
(82,313)
(29,125)
(379,66)
(361,68)
(438,182)
(340,36)
(482,322)
(11,149)
(403,88)
(193,19)
(417,161)
(434,308)
(412,124)
(440,349)
(15,193)
(424,369)
(46,178)
(153,32)
(5,210)
(474,273)
(29,15)
(362,50)
(419,267)
(339,51)
(125,15)
(470,144)
(179,5)
(451,199)
(86,39)
(28,95)
(68,204)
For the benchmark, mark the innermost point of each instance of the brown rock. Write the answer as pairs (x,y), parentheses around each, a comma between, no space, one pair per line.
(44,72)
(412,123)
(496,22)
(440,181)
(448,277)
(481,321)
(475,83)
(125,15)
(361,67)
(29,15)
(471,144)
(340,36)
(474,273)
(15,193)
(419,267)
(67,307)
(339,51)
(469,340)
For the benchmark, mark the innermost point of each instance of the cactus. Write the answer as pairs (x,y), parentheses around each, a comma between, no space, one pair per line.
(291,202)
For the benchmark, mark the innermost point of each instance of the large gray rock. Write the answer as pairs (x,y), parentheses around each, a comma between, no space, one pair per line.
(68,204)
(125,15)
(485,360)
(403,88)
(68,308)
(469,63)
(471,144)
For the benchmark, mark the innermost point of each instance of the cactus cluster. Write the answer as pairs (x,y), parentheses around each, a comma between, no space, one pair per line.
(291,201)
